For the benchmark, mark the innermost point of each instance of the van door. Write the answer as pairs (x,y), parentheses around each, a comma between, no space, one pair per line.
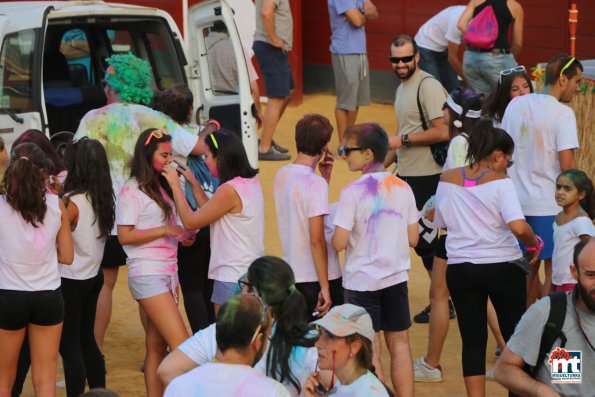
(22,30)
(218,63)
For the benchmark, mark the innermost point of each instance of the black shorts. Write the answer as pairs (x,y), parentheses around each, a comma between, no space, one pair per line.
(20,308)
(312,289)
(441,248)
(113,254)
(388,307)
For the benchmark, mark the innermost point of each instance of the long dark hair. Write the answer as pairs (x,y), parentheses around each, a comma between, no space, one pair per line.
(141,168)
(484,139)
(43,142)
(275,283)
(228,150)
(583,184)
(88,173)
(24,182)
(496,103)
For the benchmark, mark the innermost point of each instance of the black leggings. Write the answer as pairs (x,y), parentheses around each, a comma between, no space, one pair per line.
(470,285)
(81,357)
(193,270)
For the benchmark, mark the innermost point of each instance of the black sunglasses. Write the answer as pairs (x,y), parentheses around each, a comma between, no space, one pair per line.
(348,149)
(406,59)
(509,164)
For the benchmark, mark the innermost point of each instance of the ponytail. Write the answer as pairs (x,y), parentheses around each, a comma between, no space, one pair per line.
(484,139)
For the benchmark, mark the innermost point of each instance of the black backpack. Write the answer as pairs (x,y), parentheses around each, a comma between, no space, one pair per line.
(551,331)
(439,149)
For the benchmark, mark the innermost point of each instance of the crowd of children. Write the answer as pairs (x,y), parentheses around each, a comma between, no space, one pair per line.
(57,219)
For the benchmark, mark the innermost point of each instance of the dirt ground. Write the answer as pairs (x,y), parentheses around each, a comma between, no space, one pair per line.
(124,345)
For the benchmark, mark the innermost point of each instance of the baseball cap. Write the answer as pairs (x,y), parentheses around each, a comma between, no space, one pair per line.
(347,319)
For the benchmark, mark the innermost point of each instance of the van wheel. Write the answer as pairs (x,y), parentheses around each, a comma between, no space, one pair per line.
(60,140)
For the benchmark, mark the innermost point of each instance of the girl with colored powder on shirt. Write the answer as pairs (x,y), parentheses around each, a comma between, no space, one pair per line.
(91,208)
(149,234)
(235,212)
(34,237)
(574,193)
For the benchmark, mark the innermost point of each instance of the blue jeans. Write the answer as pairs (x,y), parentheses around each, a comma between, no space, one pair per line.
(482,69)
(436,64)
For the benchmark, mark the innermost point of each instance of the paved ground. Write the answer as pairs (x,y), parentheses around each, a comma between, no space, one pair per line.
(124,346)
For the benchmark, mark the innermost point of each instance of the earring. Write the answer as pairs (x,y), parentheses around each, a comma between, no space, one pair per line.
(350,354)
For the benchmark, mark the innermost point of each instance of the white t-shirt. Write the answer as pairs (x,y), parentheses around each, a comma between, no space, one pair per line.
(540,127)
(300,194)
(376,209)
(28,255)
(202,348)
(440,29)
(238,239)
(477,221)
(87,241)
(366,385)
(157,257)
(224,380)
(457,152)
(566,236)
(334,264)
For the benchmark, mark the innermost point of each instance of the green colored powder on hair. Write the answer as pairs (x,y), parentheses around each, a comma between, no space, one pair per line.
(130,77)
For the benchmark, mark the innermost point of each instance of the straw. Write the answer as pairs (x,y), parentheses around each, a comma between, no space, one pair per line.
(583,105)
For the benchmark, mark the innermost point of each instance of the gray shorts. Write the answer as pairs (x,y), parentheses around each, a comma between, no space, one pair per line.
(222,291)
(352,80)
(143,287)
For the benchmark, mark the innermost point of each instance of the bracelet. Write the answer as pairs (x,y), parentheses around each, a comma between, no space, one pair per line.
(536,249)
(214,122)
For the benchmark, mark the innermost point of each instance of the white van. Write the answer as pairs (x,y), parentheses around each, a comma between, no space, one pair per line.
(52,62)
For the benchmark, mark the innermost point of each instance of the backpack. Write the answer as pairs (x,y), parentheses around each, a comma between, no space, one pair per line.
(482,31)
(440,149)
(551,331)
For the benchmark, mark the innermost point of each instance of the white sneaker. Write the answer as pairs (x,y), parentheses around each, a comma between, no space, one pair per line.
(423,372)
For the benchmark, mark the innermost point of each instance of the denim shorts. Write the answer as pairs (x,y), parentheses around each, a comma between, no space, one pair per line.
(143,287)
(20,308)
(274,63)
(482,69)
(222,291)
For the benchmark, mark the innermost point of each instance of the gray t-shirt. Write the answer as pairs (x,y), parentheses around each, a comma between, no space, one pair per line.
(418,160)
(527,338)
(283,23)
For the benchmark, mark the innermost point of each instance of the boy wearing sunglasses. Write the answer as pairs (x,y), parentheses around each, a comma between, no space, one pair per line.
(545,136)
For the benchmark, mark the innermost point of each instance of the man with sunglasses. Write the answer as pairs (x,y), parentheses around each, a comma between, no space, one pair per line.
(545,137)
(575,375)
(243,326)
(117,125)
(411,146)
(349,58)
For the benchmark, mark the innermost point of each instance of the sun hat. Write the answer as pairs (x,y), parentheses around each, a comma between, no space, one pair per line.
(347,319)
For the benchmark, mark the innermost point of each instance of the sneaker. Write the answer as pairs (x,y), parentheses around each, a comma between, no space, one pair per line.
(498,352)
(280,148)
(451,310)
(423,372)
(273,155)
(423,317)
(490,374)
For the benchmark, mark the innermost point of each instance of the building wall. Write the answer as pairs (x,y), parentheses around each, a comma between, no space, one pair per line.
(545,34)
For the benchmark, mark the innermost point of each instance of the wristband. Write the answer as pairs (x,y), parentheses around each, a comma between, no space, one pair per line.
(214,122)
(536,249)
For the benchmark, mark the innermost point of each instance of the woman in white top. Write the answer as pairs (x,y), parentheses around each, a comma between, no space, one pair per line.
(149,234)
(34,236)
(345,349)
(91,208)
(235,212)
(289,357)
(479,207)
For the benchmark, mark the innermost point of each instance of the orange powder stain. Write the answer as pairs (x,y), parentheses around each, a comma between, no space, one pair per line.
(391,181)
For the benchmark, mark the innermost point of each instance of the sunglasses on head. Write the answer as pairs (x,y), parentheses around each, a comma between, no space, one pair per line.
(405,59)
(348,149)
(157,134)
(510,71)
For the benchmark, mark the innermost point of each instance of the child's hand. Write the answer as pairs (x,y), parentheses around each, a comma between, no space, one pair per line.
(326,165)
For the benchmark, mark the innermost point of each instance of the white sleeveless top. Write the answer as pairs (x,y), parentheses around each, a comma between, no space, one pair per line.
(238,239)
(28,254)
(88,245)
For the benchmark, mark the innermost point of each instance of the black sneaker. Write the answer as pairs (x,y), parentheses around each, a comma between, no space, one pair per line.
(451,310)
(423,317)
(280,148)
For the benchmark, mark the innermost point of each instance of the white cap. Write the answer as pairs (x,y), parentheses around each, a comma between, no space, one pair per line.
(347,319)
